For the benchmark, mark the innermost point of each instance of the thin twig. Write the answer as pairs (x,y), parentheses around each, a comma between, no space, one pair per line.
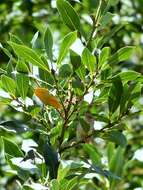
(95,23)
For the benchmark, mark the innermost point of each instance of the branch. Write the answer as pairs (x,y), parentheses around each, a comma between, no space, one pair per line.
(95,23)
(109,126)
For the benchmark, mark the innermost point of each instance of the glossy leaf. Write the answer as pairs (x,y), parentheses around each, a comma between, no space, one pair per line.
(15,39)
(104,173)
(34,39)
(113,2)
(65,71)
(28,55)
(78,86)
(106,73)
(115,95)
(110,151)
(68,40)
(121,55)
(11,148)
(22,67)
(46,77)
(72,184)
(22,83)
(106,19)
(8,84)
(15,126)
(48,43)
(104,56)
(5,101)
(108,36)
(75,60)
(68,14)
(9,68)
(89,60)
(116,137)
(129,76)
(54,185)
(6,51)
(81,72)
(116,165)
(93,154)
(128,91)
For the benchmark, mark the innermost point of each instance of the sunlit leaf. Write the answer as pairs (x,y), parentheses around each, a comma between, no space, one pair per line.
(12,148)
(121,55)
(68,14)
(22,82)
(29,55)
(8,84)
(89,60)
(66,43)
(48,43)
(115,95)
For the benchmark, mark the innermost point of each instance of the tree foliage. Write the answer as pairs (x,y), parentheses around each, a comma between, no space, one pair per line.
(71,95)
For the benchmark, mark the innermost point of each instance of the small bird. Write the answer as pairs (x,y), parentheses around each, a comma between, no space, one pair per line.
(47,98)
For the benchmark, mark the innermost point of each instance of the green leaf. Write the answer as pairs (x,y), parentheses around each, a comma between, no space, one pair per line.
(124,99)
(115,95)
(5,51)
(34,110)
(48,43)
(47,77)
(4,131)
(105,173)
(72,184)
(89,60)
(8,84)
(68,40)
(105,19)
(121,55)
(78,86)
(110,151)
(81,72)
(15,39)
(104,56)
(62,171)
(54,185)
(93,153)
(75,60)
(28,55)
(85,126)
(129,76)
(108,36)
(22,67)
(15,126)
(11,148)
(116,165)
(68,14)
(9,68)
(22,82)
(65,71)
(113,2)
(106,73)
(128,91)
(34,39)
(5,101)
(116,137)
